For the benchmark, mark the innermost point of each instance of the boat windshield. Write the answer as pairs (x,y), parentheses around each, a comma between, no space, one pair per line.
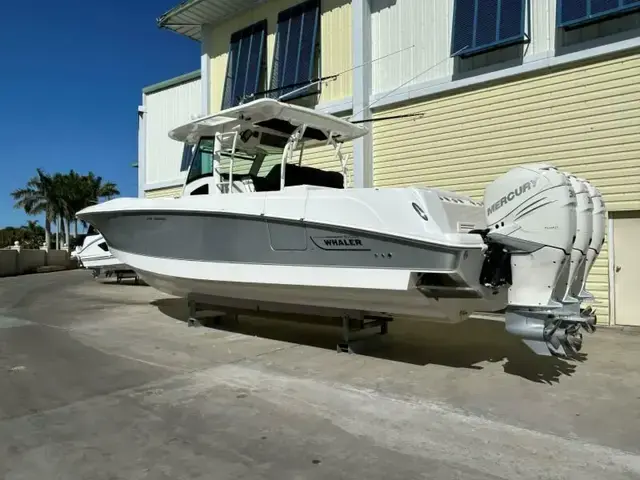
(257,168)
(202,163)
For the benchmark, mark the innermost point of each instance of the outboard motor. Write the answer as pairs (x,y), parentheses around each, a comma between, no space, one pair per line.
(584,230)
(599,222)
(584,212)
(535,220)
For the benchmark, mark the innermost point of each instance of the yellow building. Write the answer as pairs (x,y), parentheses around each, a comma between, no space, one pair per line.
(494,84)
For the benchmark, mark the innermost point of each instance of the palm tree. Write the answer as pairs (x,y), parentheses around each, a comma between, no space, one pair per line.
(62,204)
(39,196)
(91,190)
(75,196)
(98,190)
(61,197)
(32,227)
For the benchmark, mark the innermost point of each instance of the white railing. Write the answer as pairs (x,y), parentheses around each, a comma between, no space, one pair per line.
(287,154)
(337,149)
(217,151)
(295,139)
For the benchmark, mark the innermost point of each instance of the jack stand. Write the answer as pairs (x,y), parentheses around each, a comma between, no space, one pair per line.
(217,316)
(352,325)
(193,320)
(122,274)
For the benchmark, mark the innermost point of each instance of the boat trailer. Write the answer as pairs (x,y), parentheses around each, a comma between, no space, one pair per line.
(119,274)
(359,331)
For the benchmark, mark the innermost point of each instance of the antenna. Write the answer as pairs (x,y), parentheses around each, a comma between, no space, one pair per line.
(391,117)
(314,81)
(409,81)
(284,87)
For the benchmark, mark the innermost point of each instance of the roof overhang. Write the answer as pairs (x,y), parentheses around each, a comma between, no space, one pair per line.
(187,17)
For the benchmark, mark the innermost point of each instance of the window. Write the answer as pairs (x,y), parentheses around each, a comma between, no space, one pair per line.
(481,25)
(295,56)
(579,12)
(202,163)
(187,151)
(245,65)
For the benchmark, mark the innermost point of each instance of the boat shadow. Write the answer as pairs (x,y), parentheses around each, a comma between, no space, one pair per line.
(466,345)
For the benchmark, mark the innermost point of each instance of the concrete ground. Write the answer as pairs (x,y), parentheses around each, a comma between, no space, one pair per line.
(106,381)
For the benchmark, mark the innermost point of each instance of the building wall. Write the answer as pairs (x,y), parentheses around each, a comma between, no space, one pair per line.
(165,110)
(424,40)
(422,31)
(335,46)
(585,120)
(428,26)
(164,192)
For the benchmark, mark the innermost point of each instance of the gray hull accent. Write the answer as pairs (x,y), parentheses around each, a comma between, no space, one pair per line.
(219,237)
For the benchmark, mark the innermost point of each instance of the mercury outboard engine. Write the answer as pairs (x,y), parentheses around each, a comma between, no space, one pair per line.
(599,213)
(539,225)
(584,229)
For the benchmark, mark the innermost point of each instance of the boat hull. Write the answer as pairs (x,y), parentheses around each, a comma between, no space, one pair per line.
(375,291)
(103,263)
(217,237)
(380,251)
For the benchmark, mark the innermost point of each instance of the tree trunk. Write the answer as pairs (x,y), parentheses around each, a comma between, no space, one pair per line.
(75,228)
(67,233)
(47,231)
(57,233)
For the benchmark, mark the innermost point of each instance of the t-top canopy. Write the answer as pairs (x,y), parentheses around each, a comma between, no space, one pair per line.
(270,116)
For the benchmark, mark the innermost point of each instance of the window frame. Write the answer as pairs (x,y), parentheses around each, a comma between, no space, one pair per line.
(525,28)
(314,62)
(187,156)
(198,151)
(230,100)
(591,19)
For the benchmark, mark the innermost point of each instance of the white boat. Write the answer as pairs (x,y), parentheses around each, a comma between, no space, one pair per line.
(94,255)
(298,238)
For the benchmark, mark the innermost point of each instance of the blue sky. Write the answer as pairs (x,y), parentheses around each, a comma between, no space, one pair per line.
(72,75)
